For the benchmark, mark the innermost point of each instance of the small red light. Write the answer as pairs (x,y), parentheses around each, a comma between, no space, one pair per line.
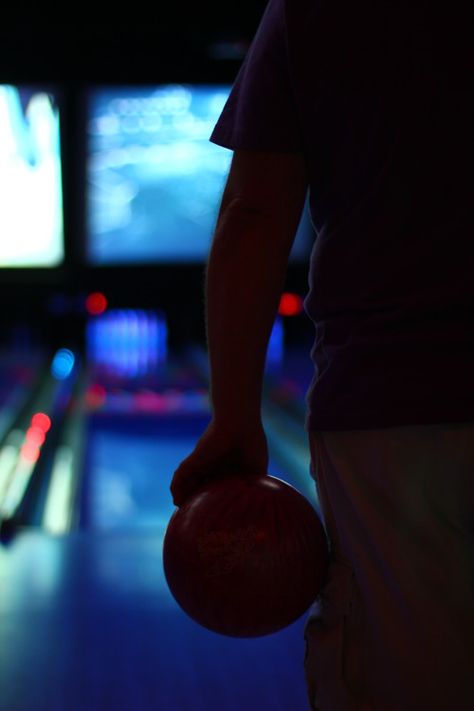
(290,305)
(96,303)
(95,396)
(41,421)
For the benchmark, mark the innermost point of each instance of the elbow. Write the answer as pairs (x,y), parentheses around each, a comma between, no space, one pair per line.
(242,213)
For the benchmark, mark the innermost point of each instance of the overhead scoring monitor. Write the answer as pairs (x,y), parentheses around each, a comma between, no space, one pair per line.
(154,180)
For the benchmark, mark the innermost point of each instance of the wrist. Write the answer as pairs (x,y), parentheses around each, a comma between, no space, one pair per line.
(236,422)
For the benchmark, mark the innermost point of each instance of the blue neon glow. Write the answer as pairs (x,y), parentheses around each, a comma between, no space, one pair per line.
(127,342)
(276,344)
(63,364)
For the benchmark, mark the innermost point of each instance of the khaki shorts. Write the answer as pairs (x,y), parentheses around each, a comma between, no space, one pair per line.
(393,627)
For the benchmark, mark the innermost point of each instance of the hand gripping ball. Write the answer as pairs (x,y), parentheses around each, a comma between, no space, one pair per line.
(245,556)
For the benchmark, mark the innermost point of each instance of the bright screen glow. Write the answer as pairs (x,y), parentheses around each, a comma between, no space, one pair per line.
(31,216)
(154,180)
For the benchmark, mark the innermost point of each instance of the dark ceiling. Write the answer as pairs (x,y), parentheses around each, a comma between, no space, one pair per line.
(108,42)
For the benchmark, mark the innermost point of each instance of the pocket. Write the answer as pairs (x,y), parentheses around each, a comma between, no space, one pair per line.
(333,652)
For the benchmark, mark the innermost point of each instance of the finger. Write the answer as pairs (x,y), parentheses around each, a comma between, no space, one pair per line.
(184,492)
(186,480)
(200,465)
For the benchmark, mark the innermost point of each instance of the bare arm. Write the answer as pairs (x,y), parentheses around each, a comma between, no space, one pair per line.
(258,219)
(260,211)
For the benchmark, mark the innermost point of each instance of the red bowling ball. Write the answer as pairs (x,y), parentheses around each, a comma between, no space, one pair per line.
(245,556)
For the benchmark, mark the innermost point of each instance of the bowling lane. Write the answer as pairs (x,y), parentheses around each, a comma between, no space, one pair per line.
(97,597)
(130,456)
(89,625)
(129,464)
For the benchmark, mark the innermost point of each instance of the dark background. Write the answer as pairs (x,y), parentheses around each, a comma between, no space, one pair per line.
(71,47)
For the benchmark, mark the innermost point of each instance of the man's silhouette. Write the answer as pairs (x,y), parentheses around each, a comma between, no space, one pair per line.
(368,105)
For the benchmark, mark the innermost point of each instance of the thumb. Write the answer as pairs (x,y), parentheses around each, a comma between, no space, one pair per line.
(192,473)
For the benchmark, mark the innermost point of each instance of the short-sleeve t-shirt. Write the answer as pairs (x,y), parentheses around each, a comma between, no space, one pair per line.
(376,95)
